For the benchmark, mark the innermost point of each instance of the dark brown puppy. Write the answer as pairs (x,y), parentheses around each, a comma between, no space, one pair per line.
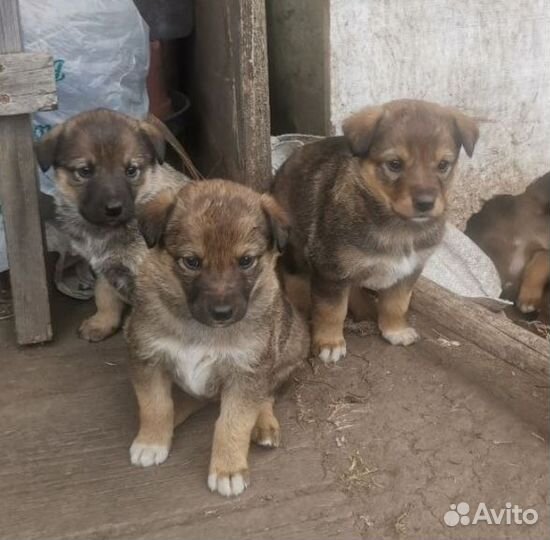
(106,164)
(368,209)
(515,232)
(209,315)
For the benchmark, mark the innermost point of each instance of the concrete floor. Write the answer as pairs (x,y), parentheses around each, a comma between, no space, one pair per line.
(377,446)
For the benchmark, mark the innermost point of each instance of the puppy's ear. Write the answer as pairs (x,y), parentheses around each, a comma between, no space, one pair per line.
(155,138)
(278,221)
(153,217)
(360,128)
(47,146)
(467,131)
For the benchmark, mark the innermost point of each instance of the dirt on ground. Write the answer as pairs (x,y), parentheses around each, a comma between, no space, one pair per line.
(380,445)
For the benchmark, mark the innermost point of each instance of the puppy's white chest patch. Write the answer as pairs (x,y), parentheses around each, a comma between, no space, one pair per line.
(193,366)
(383,272)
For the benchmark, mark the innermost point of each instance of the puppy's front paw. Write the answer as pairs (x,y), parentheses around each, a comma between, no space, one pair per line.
(526,307)
(228,483)
(145,455)
(528,301)
(404,336)
(330,353)
(97,328)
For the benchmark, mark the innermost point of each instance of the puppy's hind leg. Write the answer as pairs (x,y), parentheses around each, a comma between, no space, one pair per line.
(298,291)
(267,431)
(185,405)
(153,389)
(106,321)
(361,304)
(534,280)
(329,308)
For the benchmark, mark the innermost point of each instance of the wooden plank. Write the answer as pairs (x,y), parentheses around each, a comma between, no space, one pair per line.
(70,463)
(19,198)
(422,418)
(230,92)
(247,32)
(27,83)
(491,332)
(10,36)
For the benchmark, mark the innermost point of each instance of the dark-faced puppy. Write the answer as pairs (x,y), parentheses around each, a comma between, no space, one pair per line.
(209,315)
(515,232)
(368,209)
(105,164)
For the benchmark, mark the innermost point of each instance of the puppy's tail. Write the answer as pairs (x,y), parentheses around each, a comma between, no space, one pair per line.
(186,161)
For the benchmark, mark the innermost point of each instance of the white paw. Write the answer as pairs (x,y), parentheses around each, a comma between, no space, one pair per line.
(406,336)
(145,455)
(268,435)
(268,442)
(227,486)
(527,308)
(330,355)
(97,328)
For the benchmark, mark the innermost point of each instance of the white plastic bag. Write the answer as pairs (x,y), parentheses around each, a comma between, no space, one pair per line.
(101,59)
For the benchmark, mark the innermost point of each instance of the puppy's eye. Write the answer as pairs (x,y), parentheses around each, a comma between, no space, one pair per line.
(246,262)
(191,263)
(443,165)
(84,172)
(132,171)
(394,165)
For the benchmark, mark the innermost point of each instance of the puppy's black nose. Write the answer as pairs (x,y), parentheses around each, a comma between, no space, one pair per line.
(221,313)
(113,209)
(424,203)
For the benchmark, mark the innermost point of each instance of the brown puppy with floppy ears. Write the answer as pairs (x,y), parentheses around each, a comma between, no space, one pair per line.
(367,209)
(106,164)
(515,232)
(209,315)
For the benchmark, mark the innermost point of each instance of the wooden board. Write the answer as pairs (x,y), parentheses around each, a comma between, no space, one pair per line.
(27,83)
(19,199)
(492,332)
(67,417)
(230,95)
(433,423)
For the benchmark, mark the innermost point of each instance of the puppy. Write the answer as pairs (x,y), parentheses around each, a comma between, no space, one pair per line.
(209,315)
(106,164)
(367,209)
(515,232)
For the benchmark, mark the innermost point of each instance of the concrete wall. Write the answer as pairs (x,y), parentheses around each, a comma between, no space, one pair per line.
(489,58)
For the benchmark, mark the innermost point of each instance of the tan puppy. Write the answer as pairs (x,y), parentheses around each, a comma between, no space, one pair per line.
(515,232)
(106,164)
(368,209)
(209,315)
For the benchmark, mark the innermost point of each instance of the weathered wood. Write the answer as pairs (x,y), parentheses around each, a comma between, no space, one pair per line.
(27,83)
(231,93)
(19,199)
(491,332)
(70,462)
(425,419)
(247,32)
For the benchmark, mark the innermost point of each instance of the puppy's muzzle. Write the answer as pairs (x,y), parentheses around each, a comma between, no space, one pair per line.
(221,313)
(424,203)
(108,202)
(113,209)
